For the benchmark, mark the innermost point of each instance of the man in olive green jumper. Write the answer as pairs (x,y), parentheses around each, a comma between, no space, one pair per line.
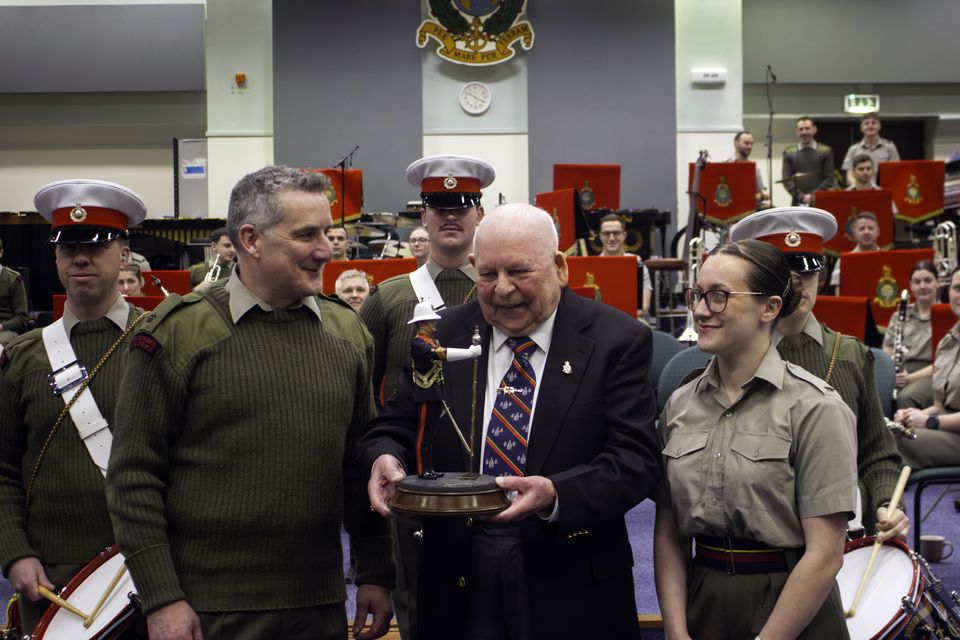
(228,501)
(66,523)
(13,304)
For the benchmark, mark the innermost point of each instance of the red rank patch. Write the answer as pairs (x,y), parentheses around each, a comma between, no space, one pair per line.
(4,360)
(144,342)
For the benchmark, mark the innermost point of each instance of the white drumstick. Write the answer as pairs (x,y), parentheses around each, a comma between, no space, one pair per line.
(894,501)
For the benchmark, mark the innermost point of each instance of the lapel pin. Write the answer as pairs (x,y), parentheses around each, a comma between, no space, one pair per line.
(567,369)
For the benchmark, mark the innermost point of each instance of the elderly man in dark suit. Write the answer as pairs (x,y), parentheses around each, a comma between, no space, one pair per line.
(560,409)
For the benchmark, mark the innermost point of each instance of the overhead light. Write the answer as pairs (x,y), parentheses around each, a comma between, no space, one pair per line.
(861,103)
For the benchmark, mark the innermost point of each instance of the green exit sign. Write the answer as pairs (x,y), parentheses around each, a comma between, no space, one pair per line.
(861,103)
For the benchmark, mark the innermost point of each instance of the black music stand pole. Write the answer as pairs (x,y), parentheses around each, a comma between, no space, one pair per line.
(770,80)
(342,163)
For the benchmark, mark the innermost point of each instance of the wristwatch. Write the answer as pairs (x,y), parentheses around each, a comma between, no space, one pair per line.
(933,422)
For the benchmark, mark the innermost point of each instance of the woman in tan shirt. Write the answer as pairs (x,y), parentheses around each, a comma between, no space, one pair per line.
(938,426)
(915,381)
(760,460)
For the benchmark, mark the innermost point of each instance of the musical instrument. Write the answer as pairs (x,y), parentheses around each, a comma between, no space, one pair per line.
(889,598)
(694,261)
(214,274)
(939,612)
(159,285)
(898,346)
(401,220)
(945,251)
(901,430)
(794,176)
(104,592)
(365,230)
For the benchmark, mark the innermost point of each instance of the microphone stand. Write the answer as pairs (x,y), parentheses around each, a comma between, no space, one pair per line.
(770,80)
(342,163)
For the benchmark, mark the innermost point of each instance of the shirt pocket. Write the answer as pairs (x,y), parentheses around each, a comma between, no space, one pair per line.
(760,474)
(684,457)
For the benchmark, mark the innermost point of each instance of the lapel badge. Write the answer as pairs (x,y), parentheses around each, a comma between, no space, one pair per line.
(450,182)
(792,240)
(78,213)
(567,369)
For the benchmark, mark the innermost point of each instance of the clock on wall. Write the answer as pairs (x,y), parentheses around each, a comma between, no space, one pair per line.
(475,98)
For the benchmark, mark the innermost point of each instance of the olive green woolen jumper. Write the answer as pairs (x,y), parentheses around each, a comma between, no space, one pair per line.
(231,470)
(878,461)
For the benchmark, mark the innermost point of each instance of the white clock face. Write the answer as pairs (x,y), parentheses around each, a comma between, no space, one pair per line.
(475,98)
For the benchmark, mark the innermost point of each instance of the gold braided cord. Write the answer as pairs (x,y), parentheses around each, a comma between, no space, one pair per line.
(69,405)
(833,358)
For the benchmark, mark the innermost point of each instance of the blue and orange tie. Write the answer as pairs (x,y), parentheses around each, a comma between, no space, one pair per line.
(509,427)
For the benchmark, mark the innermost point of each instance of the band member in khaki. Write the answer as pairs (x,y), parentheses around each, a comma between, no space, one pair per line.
(53,508)
(938,426)
(760,460)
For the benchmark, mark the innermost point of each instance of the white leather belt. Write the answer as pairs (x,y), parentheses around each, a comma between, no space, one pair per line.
(68,374)
(425,288)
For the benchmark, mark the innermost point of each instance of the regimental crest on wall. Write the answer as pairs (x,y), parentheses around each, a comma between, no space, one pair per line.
(587,197)
(887,290)
(476,32)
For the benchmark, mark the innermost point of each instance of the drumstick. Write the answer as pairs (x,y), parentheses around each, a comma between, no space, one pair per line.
(88,620)
(57,600)
(895,500)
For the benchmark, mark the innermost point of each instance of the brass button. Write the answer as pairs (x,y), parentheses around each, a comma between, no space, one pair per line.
(728,414)
(461,582)
(717,455)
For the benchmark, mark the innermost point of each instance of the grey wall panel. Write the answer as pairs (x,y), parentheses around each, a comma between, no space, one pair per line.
(101,48)
(601,90)
(870,41)
(346,74)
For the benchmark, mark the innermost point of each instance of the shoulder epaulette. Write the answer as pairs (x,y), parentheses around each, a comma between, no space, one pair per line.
(802,374)
(169,305)
(335,299)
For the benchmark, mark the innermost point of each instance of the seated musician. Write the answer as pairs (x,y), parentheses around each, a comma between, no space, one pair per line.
(866,231)
(760,459)
(203,274)
(53,507)
(353,287)
(915,380)
(844,362)
(613,232)
(337,235)
(938,426)
(131,281)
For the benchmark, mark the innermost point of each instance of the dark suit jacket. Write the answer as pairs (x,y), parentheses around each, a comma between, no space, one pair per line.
(592,435)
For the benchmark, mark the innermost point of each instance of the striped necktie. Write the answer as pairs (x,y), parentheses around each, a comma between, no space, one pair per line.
(509,427)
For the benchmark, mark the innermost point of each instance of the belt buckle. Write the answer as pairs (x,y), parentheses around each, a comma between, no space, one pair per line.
(729,560)
(71,383)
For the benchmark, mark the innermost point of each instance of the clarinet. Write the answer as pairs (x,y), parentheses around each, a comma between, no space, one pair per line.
(898,347)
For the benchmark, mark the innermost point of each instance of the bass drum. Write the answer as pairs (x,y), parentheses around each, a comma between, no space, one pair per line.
(891,595)
(120,610)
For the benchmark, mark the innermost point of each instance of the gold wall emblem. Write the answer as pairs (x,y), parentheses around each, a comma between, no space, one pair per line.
(476,32)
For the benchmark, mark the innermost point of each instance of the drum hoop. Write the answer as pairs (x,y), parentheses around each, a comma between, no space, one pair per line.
(898,621)
(88,569)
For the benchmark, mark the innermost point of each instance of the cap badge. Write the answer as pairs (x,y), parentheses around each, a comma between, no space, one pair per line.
(450,183)
(78,213)
(792,239)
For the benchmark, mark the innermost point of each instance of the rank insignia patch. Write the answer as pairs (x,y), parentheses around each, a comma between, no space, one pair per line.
(144,342)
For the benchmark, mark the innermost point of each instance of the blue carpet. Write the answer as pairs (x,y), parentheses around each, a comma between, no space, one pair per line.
(943,520)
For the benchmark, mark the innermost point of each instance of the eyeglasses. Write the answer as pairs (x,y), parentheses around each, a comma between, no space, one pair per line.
(419,240)
(715,298)
(612,234)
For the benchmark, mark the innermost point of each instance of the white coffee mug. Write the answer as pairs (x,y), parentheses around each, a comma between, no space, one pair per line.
(931,548)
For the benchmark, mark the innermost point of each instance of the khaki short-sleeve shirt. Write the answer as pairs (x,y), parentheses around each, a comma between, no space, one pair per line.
(786,450)
(917,337)
(946,371)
